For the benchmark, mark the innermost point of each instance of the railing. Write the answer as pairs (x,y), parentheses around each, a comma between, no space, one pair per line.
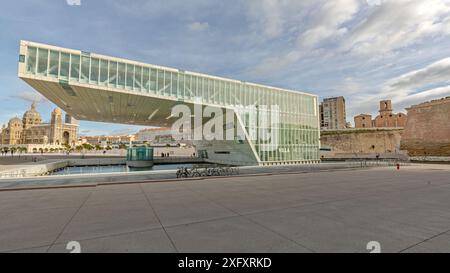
(377,162)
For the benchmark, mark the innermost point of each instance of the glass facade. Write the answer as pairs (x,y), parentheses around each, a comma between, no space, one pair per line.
(297,129)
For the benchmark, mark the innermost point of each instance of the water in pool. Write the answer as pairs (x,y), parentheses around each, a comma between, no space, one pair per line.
(116,169)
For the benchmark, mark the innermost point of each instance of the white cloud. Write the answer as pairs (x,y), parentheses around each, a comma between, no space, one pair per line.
(395,24)
(198,26)
(417,86)
(311,22)
(413,87)
(369,29)
(30,96)
(329,18)
(435,73)
(350,86)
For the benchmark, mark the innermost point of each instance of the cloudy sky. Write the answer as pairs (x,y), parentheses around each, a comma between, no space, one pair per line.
(365,50)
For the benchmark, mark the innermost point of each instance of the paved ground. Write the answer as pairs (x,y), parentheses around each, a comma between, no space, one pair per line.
(146,176)
(338,211)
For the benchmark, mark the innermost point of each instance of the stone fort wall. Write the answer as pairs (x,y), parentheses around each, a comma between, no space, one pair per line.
(367,141)
(427,131)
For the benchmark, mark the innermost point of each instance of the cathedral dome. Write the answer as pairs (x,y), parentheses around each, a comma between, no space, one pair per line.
(15,121)
(32,116)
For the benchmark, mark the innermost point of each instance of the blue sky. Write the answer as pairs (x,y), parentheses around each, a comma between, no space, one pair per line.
(365,50)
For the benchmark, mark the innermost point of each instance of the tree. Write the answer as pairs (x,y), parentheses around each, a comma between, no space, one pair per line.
(79,148)
(123,147)
(22,150)
(87,146)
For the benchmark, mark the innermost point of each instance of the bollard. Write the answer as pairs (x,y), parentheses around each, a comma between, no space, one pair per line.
(398,166)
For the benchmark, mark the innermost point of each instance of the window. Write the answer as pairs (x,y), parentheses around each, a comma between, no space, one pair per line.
(146,78)
(42,61)
(174,84)
(103,72)
(167,83)
(187,88)
(138,78)
(180,85)
(75,67)
(130,74)
(31,60)
(85,61)
(121,75)
(153,80)
(54,63)
(160,82)
(113,73)
(65,65)
(222,152)
(95,65)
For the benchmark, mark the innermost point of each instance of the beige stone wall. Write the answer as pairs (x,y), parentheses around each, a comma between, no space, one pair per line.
(363,140)
(390,120)
(427,130)
(363,121)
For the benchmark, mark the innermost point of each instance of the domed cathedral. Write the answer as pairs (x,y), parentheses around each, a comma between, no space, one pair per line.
(31,117)
(31,129)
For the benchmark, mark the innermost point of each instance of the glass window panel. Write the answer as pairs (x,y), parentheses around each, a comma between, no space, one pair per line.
(75,67)
(54,63)
(227,93)
(121,75)
(195,86)
(85,62)
(188,87)
(146,78)
(103,72)
(181,86)
(138,77)
(153,79)
(167,83)
(94,70)
(42,61)
(210,90)
(200,88)
(174,85)
(112,73)
(31,60)
(65,65)
(130,74)
(160,76)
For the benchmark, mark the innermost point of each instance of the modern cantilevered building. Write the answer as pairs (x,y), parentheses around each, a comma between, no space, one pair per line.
(94,87)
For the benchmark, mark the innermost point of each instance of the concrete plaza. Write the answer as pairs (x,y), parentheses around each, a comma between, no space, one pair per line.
(330,211)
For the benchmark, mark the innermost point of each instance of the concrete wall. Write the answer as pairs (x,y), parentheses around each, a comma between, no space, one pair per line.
(227,152)
(27,170)
(427,131)
(364,141)
(96,161)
